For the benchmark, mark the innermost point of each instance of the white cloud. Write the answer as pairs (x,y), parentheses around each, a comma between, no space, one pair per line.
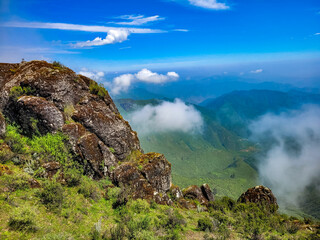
(292,162)
(97,76)
(317,34)
(181,30)
(123,82)
(257,71)
(209,4)
(77,27)
(167,116)
(137,20)
(114,36)
(146,75)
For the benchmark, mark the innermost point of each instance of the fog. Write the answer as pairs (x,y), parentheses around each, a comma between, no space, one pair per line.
(167,116)
(292,160)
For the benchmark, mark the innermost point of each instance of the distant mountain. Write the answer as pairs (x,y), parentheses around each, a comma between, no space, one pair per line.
(235,110)
(197,90)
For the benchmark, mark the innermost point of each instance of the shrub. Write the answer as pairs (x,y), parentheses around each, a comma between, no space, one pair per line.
(73,176)
(51,147)
(15,182)
(97,89)
(16,141)
(58,65)
(23,219)
(89,189)
(17,91)
(174,220)
(140,206)
(118,232)
(52,195)
(205,224)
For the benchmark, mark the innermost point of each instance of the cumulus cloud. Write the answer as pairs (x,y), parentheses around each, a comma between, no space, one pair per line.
(123,82)
(146,75)
(257,71)
(137,20)
(114,36)
(292,161)
(97,76)
(209,4)
(167,116)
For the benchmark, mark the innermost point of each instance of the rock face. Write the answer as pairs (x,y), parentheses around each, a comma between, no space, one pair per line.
(36,113)
(46,98)
(207,193)
(2,125)
(260,195)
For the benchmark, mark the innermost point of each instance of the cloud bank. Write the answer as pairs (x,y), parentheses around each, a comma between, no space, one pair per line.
(123,82)
(137,20)
(292,162)
(166,117)
(209,4)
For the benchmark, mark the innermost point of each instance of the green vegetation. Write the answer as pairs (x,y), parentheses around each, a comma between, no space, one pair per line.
(58,65)
(17,91)
(98,89)
(59,211)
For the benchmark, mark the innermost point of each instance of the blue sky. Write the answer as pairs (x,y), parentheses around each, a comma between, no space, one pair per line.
(126,35)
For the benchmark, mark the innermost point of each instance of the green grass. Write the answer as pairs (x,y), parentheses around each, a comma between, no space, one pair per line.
(27,216)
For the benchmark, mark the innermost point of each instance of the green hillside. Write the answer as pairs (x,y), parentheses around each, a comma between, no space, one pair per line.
(217,156)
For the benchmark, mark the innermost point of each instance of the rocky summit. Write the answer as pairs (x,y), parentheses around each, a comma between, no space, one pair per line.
(42,98)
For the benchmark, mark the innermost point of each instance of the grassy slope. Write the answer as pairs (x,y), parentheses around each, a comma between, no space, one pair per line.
(212,157)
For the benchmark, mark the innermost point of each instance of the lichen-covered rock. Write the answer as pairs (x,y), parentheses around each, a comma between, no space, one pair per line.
(129,176)
(195,193)
(2,125)
(36,113)
(110,127)
(206,190)
(98,156)
(157,171)
(175,192)
(51,168)
(95,156)
(260,195)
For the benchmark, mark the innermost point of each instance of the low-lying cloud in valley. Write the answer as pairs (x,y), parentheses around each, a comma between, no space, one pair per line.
(292,161)
(167,116)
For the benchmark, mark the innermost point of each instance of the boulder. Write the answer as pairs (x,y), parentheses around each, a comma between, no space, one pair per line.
(36,113)
(260,195)
(2,125)
(51,168)
(157,171)
(206,190)
(98,157)
(110,127)
(129,176)
(194,193)
(175,192)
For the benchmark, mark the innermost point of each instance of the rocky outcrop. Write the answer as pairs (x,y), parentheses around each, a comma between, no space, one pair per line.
(40,95)
(148,177)
(2,125)
(37,114)
(47,98)
(207,193)
(260,195)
